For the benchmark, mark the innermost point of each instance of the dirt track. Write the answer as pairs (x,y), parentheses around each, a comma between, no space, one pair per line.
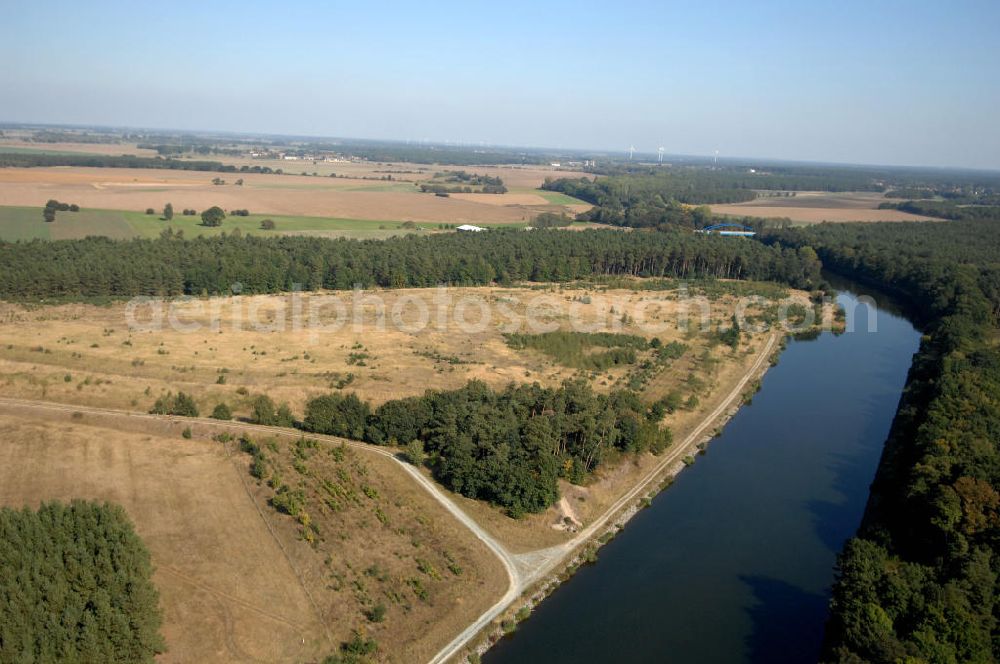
(523,570)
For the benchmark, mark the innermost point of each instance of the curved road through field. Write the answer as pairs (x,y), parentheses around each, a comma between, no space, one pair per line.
(523,570)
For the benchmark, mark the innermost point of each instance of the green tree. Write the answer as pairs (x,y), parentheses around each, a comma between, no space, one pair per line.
(337,415)
(263,410)
(76,586)
(213,216)
(168,211)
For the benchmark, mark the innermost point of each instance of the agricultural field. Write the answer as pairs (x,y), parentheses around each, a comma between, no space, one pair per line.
(25,223)
(239,578)
(809,207)
(15,143)
(359,196)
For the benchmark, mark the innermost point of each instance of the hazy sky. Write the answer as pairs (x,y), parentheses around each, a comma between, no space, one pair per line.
(889,82)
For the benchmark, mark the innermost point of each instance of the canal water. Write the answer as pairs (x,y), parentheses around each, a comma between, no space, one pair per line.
(734,561)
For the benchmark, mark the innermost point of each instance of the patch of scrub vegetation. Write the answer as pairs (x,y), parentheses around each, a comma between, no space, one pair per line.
(574,349)
(77,586)
(380,555)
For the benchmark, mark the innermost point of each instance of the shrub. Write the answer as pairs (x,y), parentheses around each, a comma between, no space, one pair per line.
(414,452)
(289,501)
(377,613)
(186,433)
(267,225)
(284,417)
(222,412)
(182,404)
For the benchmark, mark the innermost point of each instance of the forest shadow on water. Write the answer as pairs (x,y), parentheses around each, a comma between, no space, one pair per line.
(784,617)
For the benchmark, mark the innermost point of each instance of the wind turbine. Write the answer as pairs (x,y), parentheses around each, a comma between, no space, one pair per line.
(660,155)
(716,157)
(631,149)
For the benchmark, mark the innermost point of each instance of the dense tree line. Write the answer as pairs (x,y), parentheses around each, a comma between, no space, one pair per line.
(692,187)
(654,197)
(75,586)
(175,266)
(508,447)
(662,200)
(966,185)
(947,210)
(28,159)
(920,580)
(172,149)
(439,154)
(551,220)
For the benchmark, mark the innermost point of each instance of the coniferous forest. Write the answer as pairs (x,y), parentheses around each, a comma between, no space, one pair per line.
(172,265)
(75,586)
(920,580)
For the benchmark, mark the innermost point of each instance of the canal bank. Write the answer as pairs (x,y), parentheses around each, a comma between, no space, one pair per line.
(734,561)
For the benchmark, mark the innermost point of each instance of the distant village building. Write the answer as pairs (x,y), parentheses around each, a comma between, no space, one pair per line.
(469,228)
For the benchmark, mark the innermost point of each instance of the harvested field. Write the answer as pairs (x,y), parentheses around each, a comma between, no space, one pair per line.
(112,149)
(303,196)
(811,207)
(502,199)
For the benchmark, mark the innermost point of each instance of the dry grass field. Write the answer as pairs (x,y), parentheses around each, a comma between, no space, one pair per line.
(233,348)
(238,582)
(810,207)
(84,354)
